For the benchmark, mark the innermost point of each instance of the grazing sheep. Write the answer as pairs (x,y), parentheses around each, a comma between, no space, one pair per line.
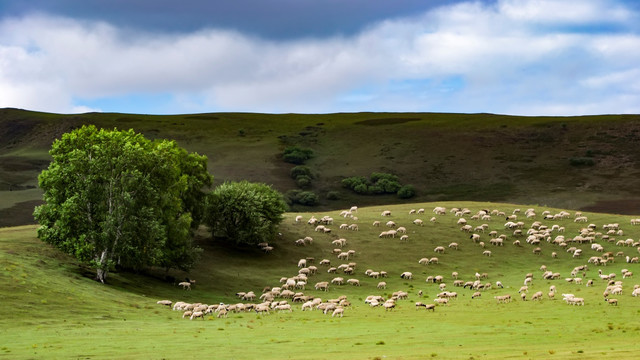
(391,224)
(339,311)
(433,260)
(453,245)
(612,301)
(386,213)
(186,285)
(439,249)
(406,275)
(164,302)
(423,261)
(441,301)
(454,274)
(499,284)
(418,222)
(486,253)
(323,285)
(476,295)
(376,223)
(382,285)
(354,282)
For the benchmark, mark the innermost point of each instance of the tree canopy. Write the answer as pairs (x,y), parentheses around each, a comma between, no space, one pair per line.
(245,212)
(116,198)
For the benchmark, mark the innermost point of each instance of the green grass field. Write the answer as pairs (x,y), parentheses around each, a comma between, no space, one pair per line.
(51,308)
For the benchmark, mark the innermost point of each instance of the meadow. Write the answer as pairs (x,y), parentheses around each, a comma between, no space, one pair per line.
(51,307)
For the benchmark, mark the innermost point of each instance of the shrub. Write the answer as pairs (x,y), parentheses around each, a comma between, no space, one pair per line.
(307,198)
(352,182)
(301,170)
(333,195)
(378,183)
(406,192)
(297,155)
(303,181)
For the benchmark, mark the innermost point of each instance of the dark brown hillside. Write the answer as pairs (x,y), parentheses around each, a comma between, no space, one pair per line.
(573,162)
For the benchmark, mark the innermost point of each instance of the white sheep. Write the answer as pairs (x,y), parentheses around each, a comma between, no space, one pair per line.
(382,285)
(406,275)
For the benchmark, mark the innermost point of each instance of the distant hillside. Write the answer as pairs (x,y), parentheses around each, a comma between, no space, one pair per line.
(588,162)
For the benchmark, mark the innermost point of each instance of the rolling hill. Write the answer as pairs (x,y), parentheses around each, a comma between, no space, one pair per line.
(587,162)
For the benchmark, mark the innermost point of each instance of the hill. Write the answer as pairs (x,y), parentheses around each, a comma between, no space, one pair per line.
(587,162)
(52,308)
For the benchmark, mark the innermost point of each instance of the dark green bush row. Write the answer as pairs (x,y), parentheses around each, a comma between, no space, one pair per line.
(377,184)
(297,155)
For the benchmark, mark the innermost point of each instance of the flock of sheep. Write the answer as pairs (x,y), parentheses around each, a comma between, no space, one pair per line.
(291,291)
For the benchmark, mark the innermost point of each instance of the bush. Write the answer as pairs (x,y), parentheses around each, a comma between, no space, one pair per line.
(307,198)
(376,177)
(406,192)
(378,183)
(297,155)
(352,182)
(333,195)
(303,181)
(301,170)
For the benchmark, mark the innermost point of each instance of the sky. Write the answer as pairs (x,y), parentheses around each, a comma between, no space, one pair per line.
(516,57)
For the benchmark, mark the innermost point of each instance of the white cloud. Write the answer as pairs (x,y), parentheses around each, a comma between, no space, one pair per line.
(506,61)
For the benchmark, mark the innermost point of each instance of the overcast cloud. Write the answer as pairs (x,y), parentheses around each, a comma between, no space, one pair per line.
(529,57)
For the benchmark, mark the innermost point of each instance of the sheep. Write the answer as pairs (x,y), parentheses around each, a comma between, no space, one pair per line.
(441,301)
(433,260)
(536,296)
(423,261)
(406,275)
(186,285)
(386,213)
(476,294)
(635,292)
(338,311)
(164,302)
(302,263)
(418,222)
(404,238)
(354,282)
(391,224)
(503,298)
(389,305)
(187,314)
(453,245)
(439,249)
(499,284)
(323,285)
(376,223)
(353,227)
(612,301)
(298,219)
(454,274)
(486,253)
(382,285)
(284,307)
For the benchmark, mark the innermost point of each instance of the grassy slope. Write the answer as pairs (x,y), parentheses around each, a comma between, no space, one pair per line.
(481,157)
(51,308)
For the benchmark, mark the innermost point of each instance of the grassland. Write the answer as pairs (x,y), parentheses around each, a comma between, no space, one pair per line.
(478,157)
(52,308)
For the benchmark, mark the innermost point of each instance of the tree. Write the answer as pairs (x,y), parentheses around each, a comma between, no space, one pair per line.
(245,212)
(116,198)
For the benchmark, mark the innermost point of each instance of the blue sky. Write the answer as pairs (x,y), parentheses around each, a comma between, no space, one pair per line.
(520,57)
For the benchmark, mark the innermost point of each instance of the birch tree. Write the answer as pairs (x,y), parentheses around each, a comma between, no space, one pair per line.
(116,198)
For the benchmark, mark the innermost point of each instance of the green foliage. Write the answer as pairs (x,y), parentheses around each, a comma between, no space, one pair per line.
(245,212)
(406,192)
(377,184)
(301,170)
(307,198)
(297,155)
(582,161)
(303,181)
(333,195)
(115,197)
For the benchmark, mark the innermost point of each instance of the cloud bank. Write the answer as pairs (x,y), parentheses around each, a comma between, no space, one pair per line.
(531,57)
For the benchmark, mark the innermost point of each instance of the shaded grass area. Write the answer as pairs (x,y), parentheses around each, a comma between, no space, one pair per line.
(53,309)
(484,157)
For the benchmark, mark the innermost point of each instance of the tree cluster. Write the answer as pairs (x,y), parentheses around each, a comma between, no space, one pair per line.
(116,199)
(377,184)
